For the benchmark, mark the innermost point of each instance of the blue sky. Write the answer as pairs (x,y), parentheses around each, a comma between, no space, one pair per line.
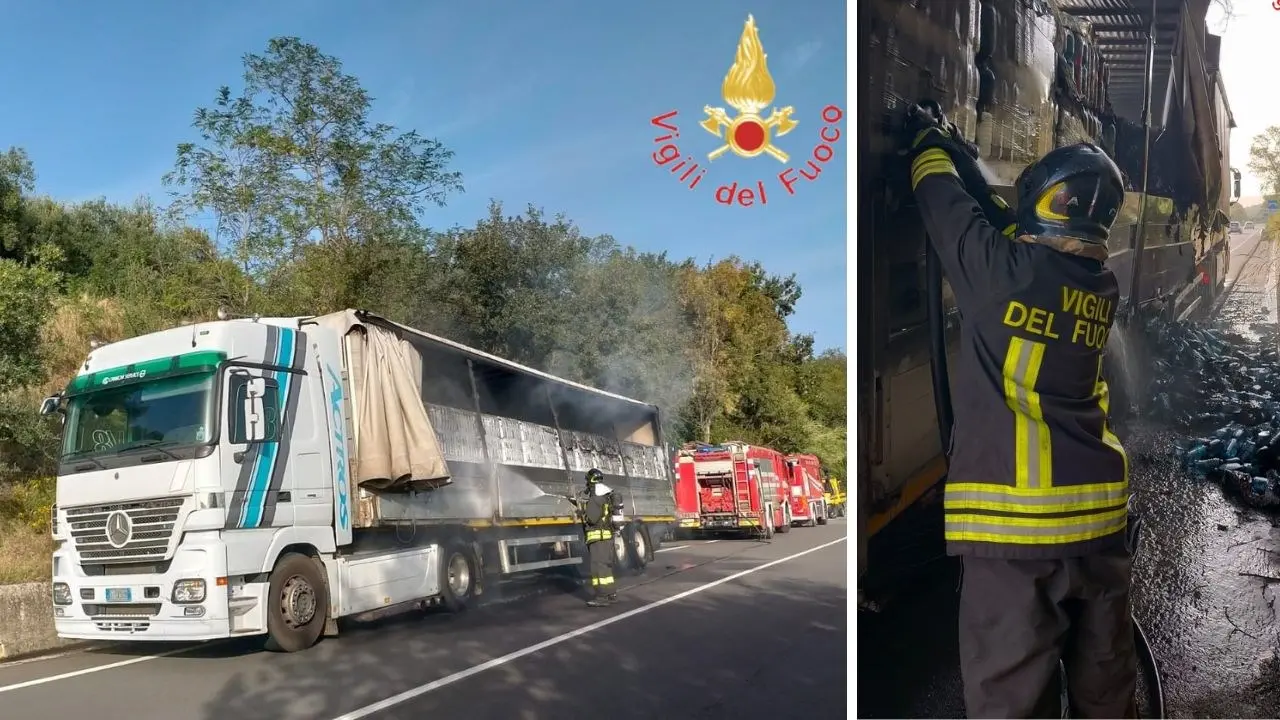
(543,102)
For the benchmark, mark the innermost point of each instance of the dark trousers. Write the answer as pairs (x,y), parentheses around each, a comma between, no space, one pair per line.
(1018,618)
(600,553)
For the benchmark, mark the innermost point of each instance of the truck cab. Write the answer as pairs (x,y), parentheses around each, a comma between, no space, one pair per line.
(833,494)
(808,506)
(169,440)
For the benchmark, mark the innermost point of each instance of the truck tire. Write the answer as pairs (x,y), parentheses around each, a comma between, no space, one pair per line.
(821,514)
(640,549)
(621,551)
(813,515)
(457,577)
(785,527)
(297,604)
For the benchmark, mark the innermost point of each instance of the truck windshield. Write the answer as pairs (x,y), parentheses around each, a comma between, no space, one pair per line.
(165,412)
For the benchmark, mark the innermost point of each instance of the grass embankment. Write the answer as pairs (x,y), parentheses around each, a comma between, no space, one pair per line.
(29,443)
(25,545)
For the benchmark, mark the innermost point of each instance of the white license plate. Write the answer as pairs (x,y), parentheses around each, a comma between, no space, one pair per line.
(119,595)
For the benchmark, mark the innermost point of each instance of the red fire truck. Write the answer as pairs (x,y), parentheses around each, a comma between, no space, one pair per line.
(807,504)
(732,487)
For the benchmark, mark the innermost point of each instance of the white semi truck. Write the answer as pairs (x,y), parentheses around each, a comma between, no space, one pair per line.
(271,475)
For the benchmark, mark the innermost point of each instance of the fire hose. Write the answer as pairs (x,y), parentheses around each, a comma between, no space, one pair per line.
(945,418)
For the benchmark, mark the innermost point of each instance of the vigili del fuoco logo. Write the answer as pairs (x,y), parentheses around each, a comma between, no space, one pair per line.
(748,89)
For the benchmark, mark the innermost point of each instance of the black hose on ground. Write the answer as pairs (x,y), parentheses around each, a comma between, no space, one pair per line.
(1146,654)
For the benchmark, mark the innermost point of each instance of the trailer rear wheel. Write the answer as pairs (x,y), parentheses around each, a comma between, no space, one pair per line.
(785,527)
(457,578)
(821,514)
(297,604)
(639,547)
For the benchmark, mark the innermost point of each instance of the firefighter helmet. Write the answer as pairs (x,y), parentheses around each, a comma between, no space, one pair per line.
(1075,191)
(594,476)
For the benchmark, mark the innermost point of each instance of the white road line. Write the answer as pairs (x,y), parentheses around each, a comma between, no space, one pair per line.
(552,642)
(96,668)
(710,541)
(665,549)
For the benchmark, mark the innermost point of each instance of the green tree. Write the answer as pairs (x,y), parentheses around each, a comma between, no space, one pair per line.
(1264,158)
(736,312)
(295,160)
(508,285)
(26,298)
(823,384)
(17,178)
(629,334)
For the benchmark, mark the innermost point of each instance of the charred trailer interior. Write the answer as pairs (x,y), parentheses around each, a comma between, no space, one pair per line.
(517,444)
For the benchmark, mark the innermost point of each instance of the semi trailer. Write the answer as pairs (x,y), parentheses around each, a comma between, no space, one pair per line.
(268,476)
(1140,78)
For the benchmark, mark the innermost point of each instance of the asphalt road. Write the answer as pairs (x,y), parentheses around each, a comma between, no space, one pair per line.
(720,629)
(1250,293)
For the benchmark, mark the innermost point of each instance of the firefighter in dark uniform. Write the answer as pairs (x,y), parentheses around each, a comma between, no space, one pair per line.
(1036,492)
(597,521)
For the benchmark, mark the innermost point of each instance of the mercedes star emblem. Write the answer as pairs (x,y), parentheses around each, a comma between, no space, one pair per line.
(119,529)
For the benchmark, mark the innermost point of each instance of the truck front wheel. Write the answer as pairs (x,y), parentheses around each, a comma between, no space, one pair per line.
(298,604)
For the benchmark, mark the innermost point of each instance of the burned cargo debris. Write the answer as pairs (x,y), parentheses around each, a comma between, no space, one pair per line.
(1223,391)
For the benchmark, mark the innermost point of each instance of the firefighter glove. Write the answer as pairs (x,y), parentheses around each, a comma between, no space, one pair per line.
(930,143)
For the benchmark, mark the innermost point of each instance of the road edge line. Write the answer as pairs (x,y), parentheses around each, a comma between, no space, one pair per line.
(100,668)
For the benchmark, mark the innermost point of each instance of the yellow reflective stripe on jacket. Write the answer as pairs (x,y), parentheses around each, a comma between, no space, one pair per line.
(594,535)
(1006,499)
(1034,531)
(607,580)
(933,161)
(1033,461)
(1103,392)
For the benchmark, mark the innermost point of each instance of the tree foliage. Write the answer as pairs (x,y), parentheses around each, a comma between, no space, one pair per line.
(312,206)
(1264,158)
(295,161)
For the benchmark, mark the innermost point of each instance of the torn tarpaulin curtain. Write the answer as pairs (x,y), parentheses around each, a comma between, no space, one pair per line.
(396,447)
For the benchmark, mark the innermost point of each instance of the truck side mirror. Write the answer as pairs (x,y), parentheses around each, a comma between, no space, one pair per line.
(51,404)
(1235,186)
(255,389)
